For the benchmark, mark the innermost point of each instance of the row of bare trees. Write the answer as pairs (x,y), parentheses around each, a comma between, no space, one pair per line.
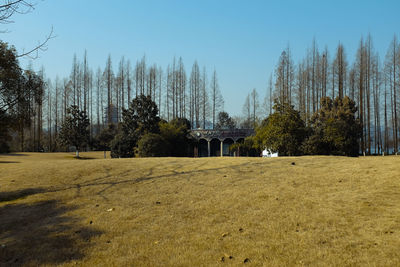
(103,95)
(374,85)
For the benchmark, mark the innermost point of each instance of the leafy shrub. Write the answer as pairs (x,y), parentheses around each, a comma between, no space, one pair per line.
(122,147)
(152,145)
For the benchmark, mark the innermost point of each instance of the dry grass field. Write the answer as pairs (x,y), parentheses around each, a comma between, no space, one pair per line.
(57,210)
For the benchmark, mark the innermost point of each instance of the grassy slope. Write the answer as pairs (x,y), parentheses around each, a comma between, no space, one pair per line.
(169,211)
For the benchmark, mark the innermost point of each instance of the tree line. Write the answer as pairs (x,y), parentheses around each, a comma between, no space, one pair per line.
(104,94)
(33,108)
(334,129)
(373,83)
(140,133)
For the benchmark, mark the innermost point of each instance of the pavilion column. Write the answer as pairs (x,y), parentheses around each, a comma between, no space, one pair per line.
(208,148)
(222,148)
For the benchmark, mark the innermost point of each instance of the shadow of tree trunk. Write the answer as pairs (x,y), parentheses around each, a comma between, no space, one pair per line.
(42,233)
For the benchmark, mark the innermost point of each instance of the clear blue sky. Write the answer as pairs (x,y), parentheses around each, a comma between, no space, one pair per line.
(242,40)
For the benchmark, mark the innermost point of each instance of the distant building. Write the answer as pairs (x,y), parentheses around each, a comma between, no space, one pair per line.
(114,114)
(214,143)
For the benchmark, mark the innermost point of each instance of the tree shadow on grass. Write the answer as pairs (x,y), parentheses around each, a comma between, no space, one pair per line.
(13,155)
(79,158)
(3,161)
(42,233)
(14,195)
(84,158)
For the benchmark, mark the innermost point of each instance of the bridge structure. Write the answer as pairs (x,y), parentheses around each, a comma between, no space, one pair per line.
(214,143)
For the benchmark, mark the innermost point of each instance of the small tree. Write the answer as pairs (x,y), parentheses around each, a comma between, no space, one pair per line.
(75,129)
(283,131)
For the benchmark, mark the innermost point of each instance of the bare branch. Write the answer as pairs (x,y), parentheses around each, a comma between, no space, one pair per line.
(41,46)
(11,7)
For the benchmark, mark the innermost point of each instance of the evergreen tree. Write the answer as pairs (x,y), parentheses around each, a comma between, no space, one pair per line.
(335,130)
(4,132)
(139,119)
(283,131)
(176,137)
(152,145)
(225,121)
(19,91)
(75,129)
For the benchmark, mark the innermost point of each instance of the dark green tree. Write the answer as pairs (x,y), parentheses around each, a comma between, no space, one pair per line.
(283,131)
(139,119)
(335,129)
(4,132)
(122,146)
(225,122)
(10,92)
(11,89)
(246,148)
(142,116)
(152,145)
(18,91)
(176,137)
(24,108)
(75,129)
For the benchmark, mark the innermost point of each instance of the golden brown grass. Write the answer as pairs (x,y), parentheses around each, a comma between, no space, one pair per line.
(198,212)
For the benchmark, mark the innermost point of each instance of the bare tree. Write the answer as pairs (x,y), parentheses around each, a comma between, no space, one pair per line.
(181,85)
(284,77)
(324,72)
(302,75)
(152,81)
(194,95)
(140,76)
(159,89)
(368,48)
(204,99)
(120,88)
(392,69)
(99,98)
(360,68)
(376,88)
(247,110)
(217,101)
(109,77)
(340,66)
(85,82)
(270,88)
(254,106)
(128,80)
